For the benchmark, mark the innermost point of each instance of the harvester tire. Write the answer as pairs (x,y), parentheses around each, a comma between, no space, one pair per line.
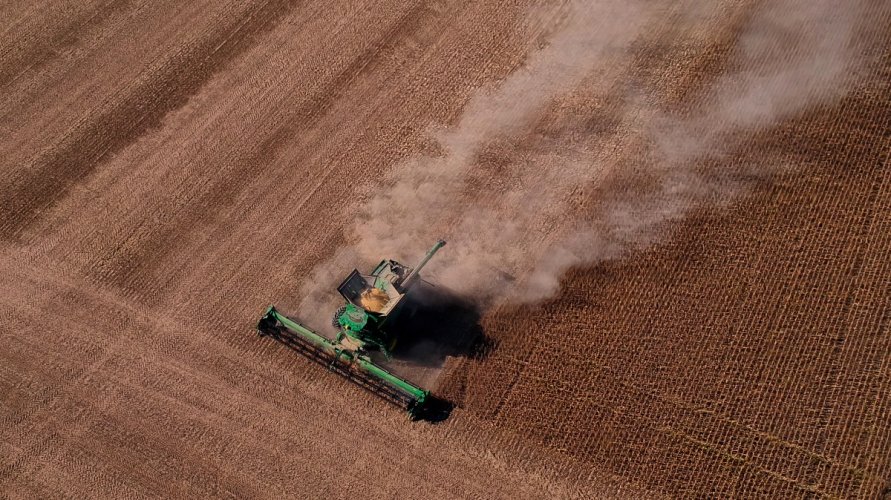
(334,321)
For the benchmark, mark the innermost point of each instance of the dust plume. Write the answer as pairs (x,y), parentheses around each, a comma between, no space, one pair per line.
(576,197)
(430,192)
(791,56)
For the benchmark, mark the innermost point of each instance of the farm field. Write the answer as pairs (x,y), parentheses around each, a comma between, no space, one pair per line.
(171,168)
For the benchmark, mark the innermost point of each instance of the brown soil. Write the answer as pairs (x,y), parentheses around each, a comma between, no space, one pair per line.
(170,168)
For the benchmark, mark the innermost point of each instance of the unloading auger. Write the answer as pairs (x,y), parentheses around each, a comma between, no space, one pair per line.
(372,303)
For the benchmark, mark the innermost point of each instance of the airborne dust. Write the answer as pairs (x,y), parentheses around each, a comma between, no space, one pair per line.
(573,195)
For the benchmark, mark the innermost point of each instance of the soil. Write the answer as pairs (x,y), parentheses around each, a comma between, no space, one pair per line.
(171,168)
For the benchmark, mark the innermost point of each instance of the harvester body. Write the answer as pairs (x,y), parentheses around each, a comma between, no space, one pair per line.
(372,302)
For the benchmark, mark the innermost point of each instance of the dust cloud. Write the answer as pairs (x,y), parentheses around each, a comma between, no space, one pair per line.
(571,198)
(791,56)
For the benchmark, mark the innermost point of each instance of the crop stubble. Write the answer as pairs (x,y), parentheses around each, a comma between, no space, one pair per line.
(746,356)
(171,169)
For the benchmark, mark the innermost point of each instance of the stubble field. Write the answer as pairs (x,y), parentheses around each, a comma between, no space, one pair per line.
(171,168)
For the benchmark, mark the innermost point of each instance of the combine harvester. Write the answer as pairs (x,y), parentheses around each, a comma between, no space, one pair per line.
(372,302)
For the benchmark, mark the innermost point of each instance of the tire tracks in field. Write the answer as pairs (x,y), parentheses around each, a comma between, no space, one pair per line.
(124,117)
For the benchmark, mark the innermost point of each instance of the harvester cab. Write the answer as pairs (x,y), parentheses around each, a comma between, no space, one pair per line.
(372,301)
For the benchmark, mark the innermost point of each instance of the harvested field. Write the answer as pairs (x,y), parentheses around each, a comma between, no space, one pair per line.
(171,168)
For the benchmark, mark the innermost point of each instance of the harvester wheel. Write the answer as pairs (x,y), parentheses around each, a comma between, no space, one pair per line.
(334,321)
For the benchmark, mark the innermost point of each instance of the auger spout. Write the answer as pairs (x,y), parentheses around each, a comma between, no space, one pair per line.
(407,282)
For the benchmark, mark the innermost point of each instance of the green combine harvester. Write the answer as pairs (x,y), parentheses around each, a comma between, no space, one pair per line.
(372,303)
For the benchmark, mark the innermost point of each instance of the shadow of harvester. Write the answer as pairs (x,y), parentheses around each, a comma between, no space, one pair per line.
(436,323)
